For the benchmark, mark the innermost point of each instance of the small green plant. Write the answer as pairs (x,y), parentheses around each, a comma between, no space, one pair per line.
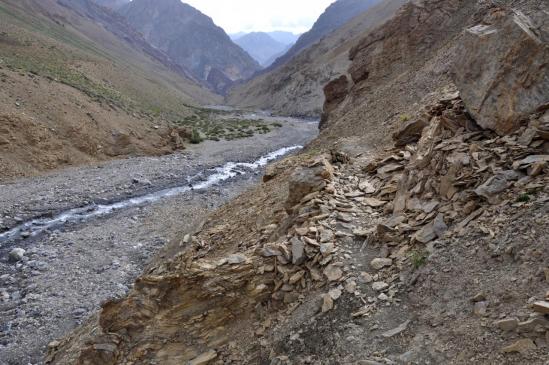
(524,198)
(196,138)
(418,258)
(404,118)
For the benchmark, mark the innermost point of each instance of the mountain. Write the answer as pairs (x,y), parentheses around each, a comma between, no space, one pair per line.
(295,88)
(261,46)
(112,4)
(79,85)
(284,37)
(192,40)
(337,14)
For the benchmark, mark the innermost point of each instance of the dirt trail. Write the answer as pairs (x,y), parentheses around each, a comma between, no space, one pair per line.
(67,273)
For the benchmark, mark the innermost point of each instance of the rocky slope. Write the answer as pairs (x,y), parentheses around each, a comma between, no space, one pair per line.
(79,86)
(351,256)
(394,67)
(261,46)
(192,40)
(295,88)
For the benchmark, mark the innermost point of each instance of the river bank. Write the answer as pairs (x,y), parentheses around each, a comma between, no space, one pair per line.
(67,272)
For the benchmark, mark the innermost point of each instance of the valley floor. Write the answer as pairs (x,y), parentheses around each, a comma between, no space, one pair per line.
(66,274)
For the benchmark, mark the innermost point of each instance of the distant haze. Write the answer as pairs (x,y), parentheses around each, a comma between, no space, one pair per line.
(296,16)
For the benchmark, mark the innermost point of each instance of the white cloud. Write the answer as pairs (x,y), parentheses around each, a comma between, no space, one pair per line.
(262,15)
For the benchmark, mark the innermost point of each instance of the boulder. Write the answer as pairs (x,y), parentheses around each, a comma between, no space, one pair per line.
(17,254)
(306,180)
(380,263)
(501,69)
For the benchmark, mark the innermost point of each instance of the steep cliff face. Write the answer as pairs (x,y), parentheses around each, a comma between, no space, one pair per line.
(191,39)
(396,66)
(295,88)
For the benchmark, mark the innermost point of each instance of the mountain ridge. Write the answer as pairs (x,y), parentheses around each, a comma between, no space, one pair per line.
(336,15)
(192,40)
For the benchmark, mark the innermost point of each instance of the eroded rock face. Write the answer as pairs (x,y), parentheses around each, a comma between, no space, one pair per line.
(335,92)
(502,68)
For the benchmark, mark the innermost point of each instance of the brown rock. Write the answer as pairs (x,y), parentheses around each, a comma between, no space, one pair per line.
(366,277)
(333,273)
(496,184)
(335,294)
(350,286)
(270,172)
(432,230)
(204,359)
(296,277)
(532,324)
(507,324)
(327,303)
(367,187)
(541,307)
(481,308)
(522,346)
(309,179)
(380,263)
(501,69)
(397,330)
(327,248)
(380,285)
(373,202)
(529,161)
(410,132)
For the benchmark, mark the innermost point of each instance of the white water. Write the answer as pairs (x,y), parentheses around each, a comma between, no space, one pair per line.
(223,173)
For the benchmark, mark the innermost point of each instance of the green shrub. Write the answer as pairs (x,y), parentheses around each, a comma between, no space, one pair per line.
(523,198)
(418,258)
(196,138)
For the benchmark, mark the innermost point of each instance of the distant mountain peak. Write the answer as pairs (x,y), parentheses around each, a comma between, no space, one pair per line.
(192,40)
(261,46)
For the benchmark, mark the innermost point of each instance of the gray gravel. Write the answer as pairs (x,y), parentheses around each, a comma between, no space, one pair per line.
(63,276)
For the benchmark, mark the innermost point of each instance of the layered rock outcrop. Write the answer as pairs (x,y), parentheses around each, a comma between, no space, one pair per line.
(502,68)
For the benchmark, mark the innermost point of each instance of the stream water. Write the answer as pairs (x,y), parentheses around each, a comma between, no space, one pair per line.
(216,175)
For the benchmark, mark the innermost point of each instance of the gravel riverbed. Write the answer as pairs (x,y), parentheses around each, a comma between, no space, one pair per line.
(66,273)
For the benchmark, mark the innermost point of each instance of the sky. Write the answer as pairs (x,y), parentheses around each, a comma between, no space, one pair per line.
(235,16)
